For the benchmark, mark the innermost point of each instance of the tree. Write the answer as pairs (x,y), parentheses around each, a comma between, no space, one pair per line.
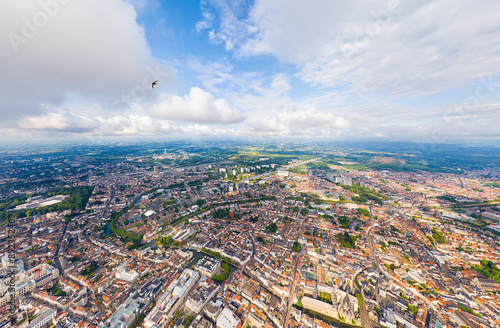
(272,228)
(361,300)
(165,241)
(363,211)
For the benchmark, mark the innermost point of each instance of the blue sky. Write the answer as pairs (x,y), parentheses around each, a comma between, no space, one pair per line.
(418,70)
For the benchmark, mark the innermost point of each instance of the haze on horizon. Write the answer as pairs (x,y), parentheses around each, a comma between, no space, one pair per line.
(417,70)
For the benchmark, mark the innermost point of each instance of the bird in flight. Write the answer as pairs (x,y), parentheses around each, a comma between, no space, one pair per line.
(153,84)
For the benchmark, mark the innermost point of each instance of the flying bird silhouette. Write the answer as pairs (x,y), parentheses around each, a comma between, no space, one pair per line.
(153,84)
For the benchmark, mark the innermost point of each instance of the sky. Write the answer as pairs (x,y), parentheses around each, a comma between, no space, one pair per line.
(382,69)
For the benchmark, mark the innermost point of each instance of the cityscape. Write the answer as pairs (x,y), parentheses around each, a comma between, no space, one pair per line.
(234,235)
(249,164)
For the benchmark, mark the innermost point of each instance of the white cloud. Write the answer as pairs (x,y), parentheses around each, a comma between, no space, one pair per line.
(340,69)
(420,52)
(311,118)
(197,106)
(60,122)
(66,123)
(269,124)
(266,96)
(86,50)
(133,124)
(232,27)
(141,5)
(197,129)
(205,23)
(400,48)
(213,74)
(299,122)
(266,101)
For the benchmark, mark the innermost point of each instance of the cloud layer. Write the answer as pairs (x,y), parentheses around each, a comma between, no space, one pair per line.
(403,48)
(319,68)
(197,106)
(70,51)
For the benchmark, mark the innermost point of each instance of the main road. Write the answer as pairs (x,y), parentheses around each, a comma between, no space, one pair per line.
(56,253)
(373,258)
(364,314)
(108,202)
(362,309)
(375,264)
(57,262)
(290,300)
(250,260)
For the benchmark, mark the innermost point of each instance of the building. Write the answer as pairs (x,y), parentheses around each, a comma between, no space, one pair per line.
(174,296)
(318,306)
(227,319)
(417,277)
(135,305)
(157,315)
(203,292)
(125,275)
(28,281)
(184,253)
(38,201)
(340,179)
(183,235)
(208,266)
(125,316)
(43,318)
(250,288)
(491,216)
(389,318)
(212,310)
(486,284)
